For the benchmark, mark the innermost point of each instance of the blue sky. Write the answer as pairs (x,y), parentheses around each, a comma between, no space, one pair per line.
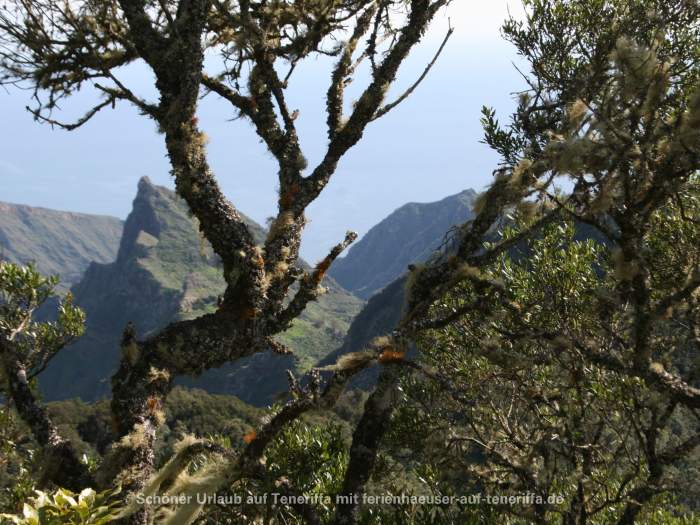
(424,150)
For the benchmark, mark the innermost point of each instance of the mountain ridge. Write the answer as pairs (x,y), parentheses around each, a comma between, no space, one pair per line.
(165,271)
(409,234)
(383,309)
(59,242)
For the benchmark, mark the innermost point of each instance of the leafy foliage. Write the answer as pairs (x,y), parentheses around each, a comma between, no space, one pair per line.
(67,508)
(310,457)
(16,463)
(534,414)
(22,291)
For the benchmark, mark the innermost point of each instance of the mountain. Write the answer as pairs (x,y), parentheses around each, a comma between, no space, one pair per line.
(165,271)
(375,267)
(58,242)
(379,317)
(383,310)
(409,234)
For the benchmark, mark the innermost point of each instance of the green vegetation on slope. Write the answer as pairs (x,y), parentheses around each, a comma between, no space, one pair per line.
(164,271)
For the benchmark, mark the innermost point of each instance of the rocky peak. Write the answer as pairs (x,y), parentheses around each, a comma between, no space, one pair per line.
(147,216)
(166,271)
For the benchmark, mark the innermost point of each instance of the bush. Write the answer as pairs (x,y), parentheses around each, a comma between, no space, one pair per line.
(67,508)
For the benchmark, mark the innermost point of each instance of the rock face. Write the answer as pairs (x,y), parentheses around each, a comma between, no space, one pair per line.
(377,264)
(165,271)
(59,243)
(379,317)
(410,234)
(383,310)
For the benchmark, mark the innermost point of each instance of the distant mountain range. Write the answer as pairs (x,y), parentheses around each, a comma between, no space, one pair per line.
(409,234)
(58,242)
(164,271)
(160,269)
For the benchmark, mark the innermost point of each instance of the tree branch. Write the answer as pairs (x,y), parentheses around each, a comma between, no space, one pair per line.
(61,465)
(385,109)
(74,125)
(309,286)
(422,12)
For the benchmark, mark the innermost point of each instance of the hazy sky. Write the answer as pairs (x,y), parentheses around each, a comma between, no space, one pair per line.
(424,150)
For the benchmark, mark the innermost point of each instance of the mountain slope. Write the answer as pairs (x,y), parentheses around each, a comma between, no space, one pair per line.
(383,310)
(409,234)
(58,242)
(165,271)
(379,317)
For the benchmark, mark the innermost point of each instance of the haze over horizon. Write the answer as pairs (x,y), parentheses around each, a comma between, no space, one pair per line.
(426,149)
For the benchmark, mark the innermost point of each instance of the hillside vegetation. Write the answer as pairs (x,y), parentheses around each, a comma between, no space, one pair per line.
(165,271)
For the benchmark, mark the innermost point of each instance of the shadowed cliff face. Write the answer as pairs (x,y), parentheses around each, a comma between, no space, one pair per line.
(59,243)
(379,317)
(410,234)
(165,271)
(376,267)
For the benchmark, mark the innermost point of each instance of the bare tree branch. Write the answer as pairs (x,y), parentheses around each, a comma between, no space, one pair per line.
(388,107)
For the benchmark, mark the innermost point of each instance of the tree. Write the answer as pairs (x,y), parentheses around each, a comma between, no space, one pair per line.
(533,416)
(612,107)
(58,48)
(26,347)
